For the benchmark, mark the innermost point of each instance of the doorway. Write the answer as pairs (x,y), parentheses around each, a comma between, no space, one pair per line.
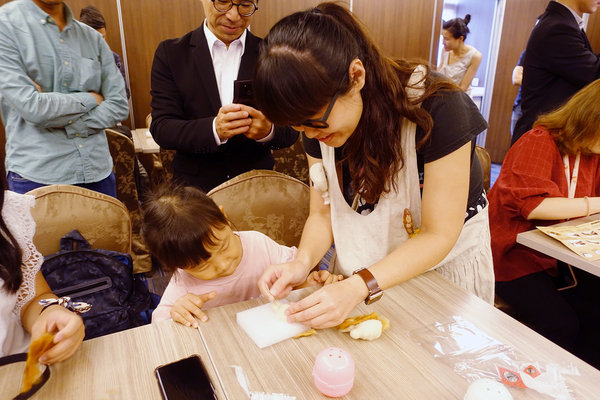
(484,35)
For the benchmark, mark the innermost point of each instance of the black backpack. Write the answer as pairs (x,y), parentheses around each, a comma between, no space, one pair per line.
(102,278)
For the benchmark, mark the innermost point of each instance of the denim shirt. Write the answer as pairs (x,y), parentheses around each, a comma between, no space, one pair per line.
(56,135)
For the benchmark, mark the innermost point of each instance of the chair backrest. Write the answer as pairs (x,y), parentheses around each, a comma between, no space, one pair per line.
(166,159)
(101,219)
(266,201)
(122,151)
(292,161)
(486,164)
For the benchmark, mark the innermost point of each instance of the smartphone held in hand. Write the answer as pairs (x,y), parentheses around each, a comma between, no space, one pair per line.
(243,93)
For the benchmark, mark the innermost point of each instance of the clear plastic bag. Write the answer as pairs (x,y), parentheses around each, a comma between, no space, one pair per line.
(243,381)
(474,355)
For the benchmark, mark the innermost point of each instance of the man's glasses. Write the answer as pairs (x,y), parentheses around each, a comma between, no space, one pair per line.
(245,8)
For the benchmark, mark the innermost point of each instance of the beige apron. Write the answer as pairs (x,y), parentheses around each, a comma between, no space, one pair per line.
(362,240)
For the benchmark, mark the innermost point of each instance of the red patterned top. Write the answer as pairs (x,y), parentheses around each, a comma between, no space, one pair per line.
(532,170)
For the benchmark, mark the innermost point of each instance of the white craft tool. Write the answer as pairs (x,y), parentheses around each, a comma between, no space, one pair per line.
(265,328)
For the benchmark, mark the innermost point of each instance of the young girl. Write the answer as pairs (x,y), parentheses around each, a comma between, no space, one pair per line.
(550,174)
(213,265)
(378,128)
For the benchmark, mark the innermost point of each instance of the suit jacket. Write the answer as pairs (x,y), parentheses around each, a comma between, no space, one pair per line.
(185,101)
(559,61)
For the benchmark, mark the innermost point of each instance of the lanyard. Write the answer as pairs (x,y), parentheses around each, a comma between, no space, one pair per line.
(571,179)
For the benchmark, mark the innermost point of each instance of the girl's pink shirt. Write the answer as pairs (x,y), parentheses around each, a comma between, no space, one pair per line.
(259,251)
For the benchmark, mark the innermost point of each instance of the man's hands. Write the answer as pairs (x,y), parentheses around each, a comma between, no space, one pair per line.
(99,98)
(239,119)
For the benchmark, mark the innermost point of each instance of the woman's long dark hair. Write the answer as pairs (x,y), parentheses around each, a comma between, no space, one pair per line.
(10,252)
(304,61)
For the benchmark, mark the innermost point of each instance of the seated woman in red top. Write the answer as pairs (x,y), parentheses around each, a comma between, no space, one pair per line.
(552,173)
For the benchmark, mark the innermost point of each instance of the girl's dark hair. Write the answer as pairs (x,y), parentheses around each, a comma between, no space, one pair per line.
(178,225)
(458,26)
(10,252)
(304,61)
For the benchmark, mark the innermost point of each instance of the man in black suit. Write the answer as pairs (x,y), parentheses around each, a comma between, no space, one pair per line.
(192,99)
(559,60)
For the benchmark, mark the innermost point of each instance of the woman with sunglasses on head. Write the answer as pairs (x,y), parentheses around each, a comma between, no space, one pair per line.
(373,128)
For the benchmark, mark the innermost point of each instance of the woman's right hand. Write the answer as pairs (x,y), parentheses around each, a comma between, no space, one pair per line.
(68,330)
(189,307)
(278,280)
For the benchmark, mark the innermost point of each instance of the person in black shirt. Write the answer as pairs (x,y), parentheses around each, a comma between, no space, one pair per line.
(389,125)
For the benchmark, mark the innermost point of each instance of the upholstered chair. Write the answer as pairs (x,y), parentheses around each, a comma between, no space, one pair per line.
(101,219)
(122,151)
(292,161)
(486,164)
(266,201)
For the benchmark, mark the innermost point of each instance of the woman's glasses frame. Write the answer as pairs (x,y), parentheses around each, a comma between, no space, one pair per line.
(321,123)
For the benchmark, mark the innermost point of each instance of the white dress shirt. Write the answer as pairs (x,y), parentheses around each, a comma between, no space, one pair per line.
(226,63)
(577,17)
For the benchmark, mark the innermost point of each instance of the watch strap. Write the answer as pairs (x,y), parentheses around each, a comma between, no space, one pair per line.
(375,291)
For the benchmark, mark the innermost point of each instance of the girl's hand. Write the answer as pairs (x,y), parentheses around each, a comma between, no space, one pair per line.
(322,277)
(189,307)
(68,330)
(278,280)
(330,305)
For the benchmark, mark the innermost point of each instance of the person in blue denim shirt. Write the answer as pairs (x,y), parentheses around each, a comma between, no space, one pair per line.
(59,90)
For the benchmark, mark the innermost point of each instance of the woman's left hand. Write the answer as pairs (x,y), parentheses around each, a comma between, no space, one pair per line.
(68,330)
(330,305)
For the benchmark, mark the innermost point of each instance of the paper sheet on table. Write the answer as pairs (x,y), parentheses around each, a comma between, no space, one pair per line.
(583,239)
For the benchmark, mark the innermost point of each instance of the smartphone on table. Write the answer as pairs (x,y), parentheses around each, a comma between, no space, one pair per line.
(185,379)
(243,93)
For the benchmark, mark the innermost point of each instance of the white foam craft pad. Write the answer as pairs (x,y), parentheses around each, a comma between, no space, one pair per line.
(265,328)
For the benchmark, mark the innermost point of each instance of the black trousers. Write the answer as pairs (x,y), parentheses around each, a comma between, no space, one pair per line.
(569,318)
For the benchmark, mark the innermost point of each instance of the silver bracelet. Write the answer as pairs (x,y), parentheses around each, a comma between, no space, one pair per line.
(78,307)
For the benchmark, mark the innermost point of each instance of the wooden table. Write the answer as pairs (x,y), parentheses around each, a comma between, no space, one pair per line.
(395,366)
(118,366)
(543,243)
(143,141)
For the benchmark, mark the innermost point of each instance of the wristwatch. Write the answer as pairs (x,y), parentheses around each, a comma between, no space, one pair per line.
(375,291)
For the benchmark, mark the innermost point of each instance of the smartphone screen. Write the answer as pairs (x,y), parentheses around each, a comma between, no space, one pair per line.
(185,379)
(243,93)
